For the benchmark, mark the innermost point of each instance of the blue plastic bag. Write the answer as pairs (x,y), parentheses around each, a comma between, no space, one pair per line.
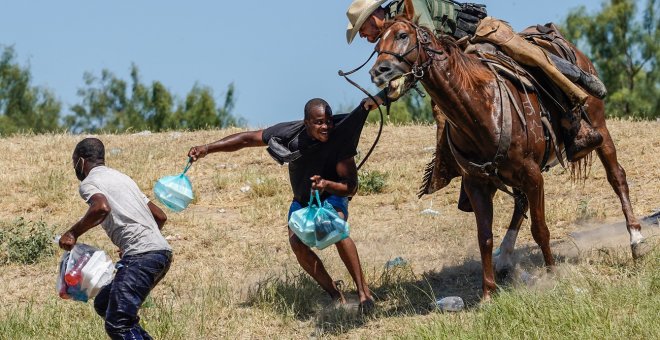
(175,192)
(318,225)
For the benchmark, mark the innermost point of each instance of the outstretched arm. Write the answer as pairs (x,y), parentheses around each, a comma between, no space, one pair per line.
(230,143)
(97,212)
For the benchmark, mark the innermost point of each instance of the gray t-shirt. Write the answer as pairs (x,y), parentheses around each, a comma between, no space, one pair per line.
(130,224)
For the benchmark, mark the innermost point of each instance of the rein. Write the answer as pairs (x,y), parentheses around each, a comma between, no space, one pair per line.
(387,104)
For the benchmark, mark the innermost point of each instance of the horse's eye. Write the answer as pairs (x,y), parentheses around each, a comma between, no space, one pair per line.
(402,35)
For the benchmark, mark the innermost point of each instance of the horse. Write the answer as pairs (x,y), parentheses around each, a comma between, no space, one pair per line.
(494,148)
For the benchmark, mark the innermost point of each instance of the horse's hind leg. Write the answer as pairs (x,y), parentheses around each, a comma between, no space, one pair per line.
(617,178)
(504,263)
(533,188)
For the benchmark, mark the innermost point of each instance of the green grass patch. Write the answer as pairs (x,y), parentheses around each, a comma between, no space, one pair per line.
(585,304)
(25,242)
(371,182)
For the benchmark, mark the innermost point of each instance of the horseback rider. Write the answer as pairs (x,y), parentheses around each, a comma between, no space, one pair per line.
(470,21)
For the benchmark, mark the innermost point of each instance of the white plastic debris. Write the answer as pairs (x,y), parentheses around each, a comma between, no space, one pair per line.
(396,262)
(450,304)
(429,211)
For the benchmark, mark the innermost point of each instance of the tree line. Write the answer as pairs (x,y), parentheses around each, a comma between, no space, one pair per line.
(107,103)
(621,38)
(623,41)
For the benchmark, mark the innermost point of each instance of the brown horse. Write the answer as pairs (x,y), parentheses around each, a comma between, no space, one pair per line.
(493,147)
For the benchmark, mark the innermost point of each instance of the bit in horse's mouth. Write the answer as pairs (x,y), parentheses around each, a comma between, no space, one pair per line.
(396,88)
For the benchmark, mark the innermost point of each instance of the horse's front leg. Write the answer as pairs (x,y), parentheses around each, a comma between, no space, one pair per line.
(481,194)
(533,188)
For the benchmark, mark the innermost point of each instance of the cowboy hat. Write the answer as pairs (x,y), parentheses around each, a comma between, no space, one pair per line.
(357,14)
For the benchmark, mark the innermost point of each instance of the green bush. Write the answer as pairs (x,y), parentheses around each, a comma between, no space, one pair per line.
(371,182)
(25,242)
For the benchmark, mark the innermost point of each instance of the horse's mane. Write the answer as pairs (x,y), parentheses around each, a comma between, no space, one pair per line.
(465,70)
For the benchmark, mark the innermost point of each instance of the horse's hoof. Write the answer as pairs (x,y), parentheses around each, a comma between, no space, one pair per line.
(640,249)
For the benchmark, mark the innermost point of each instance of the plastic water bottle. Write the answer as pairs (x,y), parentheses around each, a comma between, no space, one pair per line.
(450,304)
(76,293)
(323,228)
(73,276)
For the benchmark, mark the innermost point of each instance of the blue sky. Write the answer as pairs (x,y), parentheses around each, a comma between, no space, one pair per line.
(279,54)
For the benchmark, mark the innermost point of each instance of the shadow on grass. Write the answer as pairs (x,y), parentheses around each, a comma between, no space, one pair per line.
(398,291)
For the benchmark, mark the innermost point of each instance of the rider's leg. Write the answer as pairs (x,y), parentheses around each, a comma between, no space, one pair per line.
(582,138)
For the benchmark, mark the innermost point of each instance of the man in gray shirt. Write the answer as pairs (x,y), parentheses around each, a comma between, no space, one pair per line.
(133,224)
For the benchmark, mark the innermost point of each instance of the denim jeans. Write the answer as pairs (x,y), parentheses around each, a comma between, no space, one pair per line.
(118,302)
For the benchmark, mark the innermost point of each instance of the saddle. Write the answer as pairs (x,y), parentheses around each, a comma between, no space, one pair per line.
(549,39)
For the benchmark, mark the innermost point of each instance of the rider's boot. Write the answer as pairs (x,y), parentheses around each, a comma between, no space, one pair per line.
(579,137)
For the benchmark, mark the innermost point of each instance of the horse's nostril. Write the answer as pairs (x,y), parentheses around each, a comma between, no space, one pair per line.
(384,69)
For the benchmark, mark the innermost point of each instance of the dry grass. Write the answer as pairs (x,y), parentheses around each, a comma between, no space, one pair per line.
(234,274)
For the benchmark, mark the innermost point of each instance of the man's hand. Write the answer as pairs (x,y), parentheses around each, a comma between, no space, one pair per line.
(67,240)
(197,152)
(318,183)
(369,104)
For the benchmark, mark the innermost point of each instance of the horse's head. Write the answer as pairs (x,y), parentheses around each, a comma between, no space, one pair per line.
(401,54)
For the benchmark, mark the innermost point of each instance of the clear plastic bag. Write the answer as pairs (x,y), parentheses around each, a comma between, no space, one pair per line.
(83,271)
(175,192)
(318,225)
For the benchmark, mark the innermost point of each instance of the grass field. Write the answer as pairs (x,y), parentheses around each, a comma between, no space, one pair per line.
(234,275)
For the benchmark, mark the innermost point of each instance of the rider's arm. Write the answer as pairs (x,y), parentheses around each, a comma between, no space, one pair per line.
(423,14)
(230,143)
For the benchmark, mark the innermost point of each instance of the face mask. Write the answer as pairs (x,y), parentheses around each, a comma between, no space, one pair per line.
(80,173)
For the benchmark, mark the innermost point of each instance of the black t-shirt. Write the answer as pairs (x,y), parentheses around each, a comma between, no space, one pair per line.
(318,158)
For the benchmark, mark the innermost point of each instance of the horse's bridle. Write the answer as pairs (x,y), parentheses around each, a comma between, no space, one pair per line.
(417,69)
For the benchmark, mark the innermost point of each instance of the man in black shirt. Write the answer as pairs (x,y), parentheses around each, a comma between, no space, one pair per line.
(320,151)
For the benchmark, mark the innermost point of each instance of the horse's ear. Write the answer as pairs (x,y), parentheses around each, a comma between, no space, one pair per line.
(408,9)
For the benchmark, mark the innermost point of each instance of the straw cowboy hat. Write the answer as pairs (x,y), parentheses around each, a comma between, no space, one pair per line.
(357,14)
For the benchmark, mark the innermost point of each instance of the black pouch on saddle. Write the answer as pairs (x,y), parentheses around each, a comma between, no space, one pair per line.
(468,16)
